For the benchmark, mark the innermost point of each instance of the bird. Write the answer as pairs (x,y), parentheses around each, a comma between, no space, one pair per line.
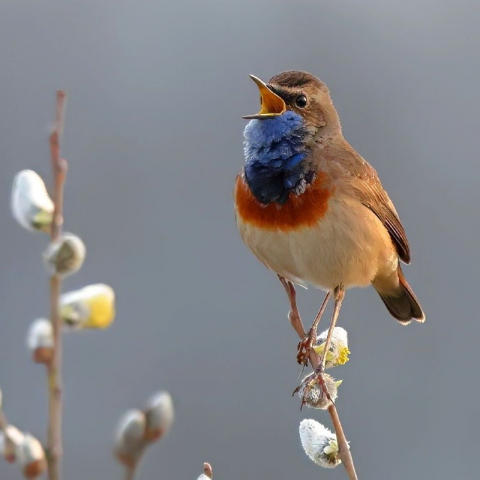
(312,210)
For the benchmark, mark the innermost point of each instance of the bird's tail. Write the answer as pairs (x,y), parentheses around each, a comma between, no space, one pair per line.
(400,300)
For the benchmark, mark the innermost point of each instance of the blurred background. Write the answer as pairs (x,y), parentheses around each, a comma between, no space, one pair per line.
(154,141)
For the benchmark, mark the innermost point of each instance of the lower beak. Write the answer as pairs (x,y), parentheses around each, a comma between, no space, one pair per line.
(271,104)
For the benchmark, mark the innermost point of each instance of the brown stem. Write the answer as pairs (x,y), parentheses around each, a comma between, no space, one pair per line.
(130,472)
(345,453)
(131,469)
(54,367)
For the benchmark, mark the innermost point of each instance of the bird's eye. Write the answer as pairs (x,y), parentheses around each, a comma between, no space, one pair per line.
(301,101)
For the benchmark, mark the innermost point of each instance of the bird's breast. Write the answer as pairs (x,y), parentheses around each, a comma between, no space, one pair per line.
(322,237)
(298,211)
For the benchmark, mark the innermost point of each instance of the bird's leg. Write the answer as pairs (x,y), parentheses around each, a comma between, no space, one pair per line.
(293,314)
(339,295)
(317,375)
(305,347)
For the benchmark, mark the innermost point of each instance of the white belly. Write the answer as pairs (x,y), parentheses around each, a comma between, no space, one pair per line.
(349,246)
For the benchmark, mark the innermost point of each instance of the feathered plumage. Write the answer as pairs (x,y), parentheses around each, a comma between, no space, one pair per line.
(310,207)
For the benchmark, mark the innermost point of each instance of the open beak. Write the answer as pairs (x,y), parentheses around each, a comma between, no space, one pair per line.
(271,104)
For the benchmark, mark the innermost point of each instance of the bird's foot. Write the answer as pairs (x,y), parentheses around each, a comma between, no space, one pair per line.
(305,347)
(314,391)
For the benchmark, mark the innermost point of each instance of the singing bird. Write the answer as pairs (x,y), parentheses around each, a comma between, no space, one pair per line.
(311,209)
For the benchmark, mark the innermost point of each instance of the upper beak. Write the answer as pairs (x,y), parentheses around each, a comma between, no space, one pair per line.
(272,105)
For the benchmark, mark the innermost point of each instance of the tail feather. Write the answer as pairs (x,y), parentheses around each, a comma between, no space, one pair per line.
(402,303)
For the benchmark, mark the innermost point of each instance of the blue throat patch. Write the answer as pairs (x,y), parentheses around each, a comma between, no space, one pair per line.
(275,155)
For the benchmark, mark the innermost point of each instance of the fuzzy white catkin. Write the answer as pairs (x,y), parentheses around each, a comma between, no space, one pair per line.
(31,457)
(312,394)
(40,340)
(65,255)
(319,443)
(8,448)
(30,204)
(90,307)
(159,414)
(338,346)
(339,335)
(40,334)
(207,470)
(129,437)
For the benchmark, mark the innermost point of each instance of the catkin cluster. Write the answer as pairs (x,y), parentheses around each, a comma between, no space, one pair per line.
(318,442)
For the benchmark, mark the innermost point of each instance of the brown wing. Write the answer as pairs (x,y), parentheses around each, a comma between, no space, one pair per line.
(369,190)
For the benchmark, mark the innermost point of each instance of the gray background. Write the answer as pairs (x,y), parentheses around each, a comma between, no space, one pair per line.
(154,141)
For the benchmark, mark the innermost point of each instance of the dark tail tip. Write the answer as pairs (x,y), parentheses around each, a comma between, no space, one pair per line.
(403,304)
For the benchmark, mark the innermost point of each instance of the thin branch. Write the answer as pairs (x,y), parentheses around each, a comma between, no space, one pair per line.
(132,468)
(54,367)
(345,453)
(130,472)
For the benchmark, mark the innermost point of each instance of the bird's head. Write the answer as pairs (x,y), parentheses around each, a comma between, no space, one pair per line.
(301,93)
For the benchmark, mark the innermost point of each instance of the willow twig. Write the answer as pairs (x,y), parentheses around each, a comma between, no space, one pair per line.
(130,472)
(54,367)
(345,453)
(315,361)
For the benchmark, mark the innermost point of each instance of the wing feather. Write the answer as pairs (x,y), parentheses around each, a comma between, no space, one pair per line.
(369,190)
